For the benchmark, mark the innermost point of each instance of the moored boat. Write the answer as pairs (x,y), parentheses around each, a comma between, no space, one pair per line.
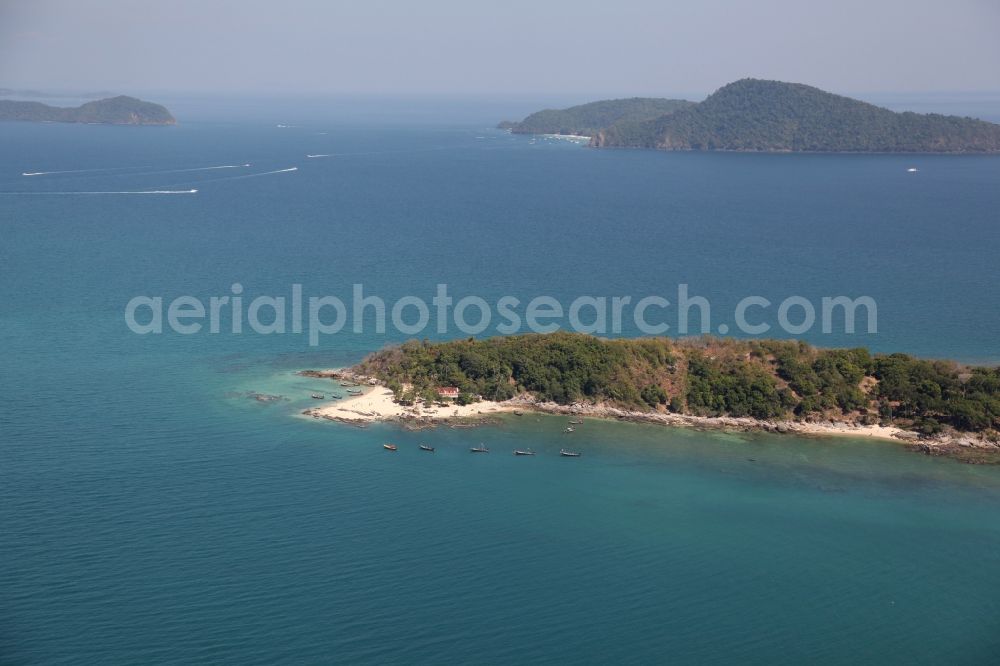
(318,396)
(569,454)
(479,449)
(576,422)
(570,429)
(389,447)
(523,452)
(424,447)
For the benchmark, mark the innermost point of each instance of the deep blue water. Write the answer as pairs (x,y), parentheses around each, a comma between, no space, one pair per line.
(150,512)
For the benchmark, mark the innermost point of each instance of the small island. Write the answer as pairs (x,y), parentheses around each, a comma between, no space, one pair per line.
(589,119)
(121,110)
(753,115)
(936,407)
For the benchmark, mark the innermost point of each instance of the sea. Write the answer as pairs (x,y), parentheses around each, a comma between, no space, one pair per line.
(164,501)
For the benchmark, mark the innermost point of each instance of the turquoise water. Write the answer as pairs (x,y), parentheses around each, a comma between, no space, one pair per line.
(150,512)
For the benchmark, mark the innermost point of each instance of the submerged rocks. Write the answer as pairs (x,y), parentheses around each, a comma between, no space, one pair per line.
(264,397)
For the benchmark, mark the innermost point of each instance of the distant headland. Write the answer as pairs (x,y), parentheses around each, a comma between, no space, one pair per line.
(121,110)
(937,407)
(754,115)
(590,119)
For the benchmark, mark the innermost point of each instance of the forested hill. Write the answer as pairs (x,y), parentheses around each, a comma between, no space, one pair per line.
(773,116)
(121,110)
(588,119)
(763,379)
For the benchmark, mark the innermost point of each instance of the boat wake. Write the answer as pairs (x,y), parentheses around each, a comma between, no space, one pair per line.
(262,173)
(144,173)
(212,168)
(208,168)
(240,177)
(69,192)
(171,185)
(49,173)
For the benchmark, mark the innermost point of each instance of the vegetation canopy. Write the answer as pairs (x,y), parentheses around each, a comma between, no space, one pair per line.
(121,110)
(764,116)
(763,379)
(589,119)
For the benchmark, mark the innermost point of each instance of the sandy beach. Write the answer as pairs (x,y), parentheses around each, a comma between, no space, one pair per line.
(376,404)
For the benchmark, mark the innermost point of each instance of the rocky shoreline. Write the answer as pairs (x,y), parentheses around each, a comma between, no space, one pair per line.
(966,447)
(963,446)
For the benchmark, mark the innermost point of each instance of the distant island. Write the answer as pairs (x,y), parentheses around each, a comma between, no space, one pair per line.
(121,110)
(753,115)
(589,119)
(939,407)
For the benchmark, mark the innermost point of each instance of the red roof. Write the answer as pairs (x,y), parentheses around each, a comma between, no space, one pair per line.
(449,391)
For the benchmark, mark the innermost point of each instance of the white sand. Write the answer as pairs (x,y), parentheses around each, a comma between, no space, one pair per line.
(876,431)
(376,404)
(567,137)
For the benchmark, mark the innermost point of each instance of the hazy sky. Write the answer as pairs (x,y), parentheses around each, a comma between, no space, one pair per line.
(497,47)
